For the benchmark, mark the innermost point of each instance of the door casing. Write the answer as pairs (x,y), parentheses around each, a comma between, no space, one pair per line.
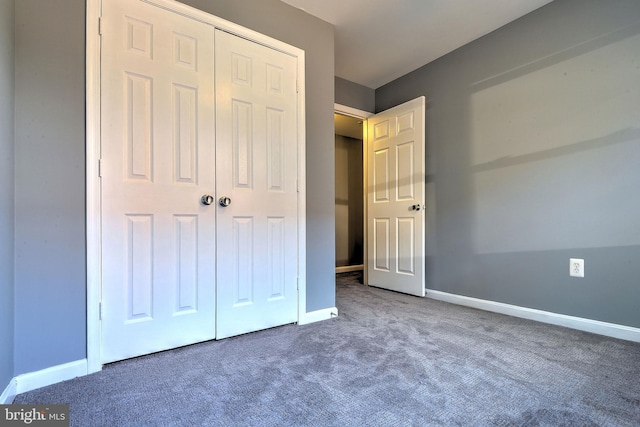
(93,191)
(363,115)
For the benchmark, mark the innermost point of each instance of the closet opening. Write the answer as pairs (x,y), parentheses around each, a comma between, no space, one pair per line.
(349,198)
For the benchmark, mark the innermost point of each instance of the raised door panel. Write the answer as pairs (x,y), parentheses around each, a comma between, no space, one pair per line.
(242,260)
(139,259)
(242,144)
(185,133)
(138,126)
(186,263)
(382,244)
(406,245)
(405,161)
(381,176)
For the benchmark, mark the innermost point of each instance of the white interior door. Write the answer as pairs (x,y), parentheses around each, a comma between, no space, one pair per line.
(395,198)
(257,170)
(157,102)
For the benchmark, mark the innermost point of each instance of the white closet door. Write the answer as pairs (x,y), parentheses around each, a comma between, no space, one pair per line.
(395,200)
(257,170)
(157,161)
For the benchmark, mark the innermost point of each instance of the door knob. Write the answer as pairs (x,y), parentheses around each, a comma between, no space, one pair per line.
(416,207)
(224,201)
(207,199)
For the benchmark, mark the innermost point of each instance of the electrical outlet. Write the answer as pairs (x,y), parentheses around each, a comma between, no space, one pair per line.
(576,267)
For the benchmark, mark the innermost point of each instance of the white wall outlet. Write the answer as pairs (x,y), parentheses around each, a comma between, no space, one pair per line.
(576,267)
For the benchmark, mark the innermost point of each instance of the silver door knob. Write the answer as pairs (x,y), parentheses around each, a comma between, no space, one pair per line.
(224,201)
(416,207)
(207,199)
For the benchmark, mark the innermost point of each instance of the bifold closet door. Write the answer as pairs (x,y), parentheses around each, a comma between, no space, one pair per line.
(257,171)
(189,111)
(158,247)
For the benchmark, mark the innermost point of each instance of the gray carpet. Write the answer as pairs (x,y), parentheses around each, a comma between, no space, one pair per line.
(387,360)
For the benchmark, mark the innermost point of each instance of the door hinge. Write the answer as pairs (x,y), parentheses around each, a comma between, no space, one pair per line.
(100,26)
(297,283)
(297,185)
(297,86)
(100,168)
(99,311)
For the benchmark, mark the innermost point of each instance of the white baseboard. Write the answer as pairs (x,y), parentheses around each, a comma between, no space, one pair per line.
(9,393)
(52,375)
(318,315)
(349,268)
(594,326)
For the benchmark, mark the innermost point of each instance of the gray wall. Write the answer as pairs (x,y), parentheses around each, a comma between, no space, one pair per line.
(6,192)
(355,95)
(533,152)
(349,201)
(280,21)
(50,276)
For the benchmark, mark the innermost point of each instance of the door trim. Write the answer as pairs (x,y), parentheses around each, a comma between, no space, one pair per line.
(350,111)
(94,244)
(360,114)
(93,192)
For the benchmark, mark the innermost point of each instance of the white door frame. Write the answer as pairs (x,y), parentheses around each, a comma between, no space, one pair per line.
(363,115)
(93,192)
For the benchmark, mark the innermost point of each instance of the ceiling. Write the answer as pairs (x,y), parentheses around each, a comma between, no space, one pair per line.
(377,41)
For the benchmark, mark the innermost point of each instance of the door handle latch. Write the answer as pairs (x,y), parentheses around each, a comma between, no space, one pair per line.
(207,199)
(224,201)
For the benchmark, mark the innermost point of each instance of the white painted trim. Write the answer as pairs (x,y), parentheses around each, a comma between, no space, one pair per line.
(52,375)
(319,315)
(350,111)
(228,26)
(9,393)
(365,203)
(359,114)
(302,188)
(588,325)
(349,268)
(93,207)
(94,248)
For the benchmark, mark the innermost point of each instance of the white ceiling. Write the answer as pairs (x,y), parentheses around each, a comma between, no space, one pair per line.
(377,41)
